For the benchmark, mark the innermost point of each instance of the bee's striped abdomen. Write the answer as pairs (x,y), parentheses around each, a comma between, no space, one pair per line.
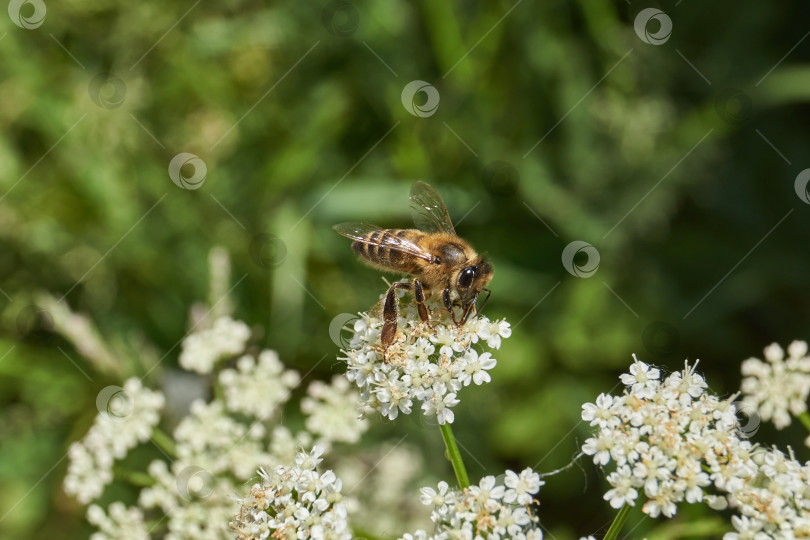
(371,250)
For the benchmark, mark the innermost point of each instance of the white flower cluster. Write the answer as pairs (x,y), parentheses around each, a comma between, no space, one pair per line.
(258,387)
(332,411)
(427,363)
(122,524)
(126,417)
(214,449)
(203,349)
(488,510)
(669,439)
(673,441)
(774,502)
(294,502)
(780,386)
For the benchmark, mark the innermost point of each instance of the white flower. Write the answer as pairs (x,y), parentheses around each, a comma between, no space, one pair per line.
(258,388)
(623,491)
(437,401)
(774,501)
(600,414)
(294,502)
(669,439)
(642,379)
(213,449)
(122,523)
(333,411)
(85,478)
(434,497)
(779,387)
(116,430)
(485,510)
(474,368)
(493,331)
(213,440)
(522,486)
(426,365)
(203,349)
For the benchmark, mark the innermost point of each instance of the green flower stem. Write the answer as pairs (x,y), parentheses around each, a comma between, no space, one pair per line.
(164,442)
(618,523)
(136,478)
(454,456)
(804,418)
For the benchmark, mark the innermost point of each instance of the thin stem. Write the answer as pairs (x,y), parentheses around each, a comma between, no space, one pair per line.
(454,456)
(136,478)
(804,418)
(618,523)
(164,442)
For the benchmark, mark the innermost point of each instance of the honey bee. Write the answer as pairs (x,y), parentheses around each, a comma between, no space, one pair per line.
(438,260)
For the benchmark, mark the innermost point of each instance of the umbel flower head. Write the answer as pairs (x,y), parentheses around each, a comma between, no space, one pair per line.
(294,502)
(775,501)
(779,386)
(218,445)
(491,509)
(673,441)
(670,440)
(427,364)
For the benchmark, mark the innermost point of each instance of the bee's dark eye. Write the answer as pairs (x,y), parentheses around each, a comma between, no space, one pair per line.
(466,277)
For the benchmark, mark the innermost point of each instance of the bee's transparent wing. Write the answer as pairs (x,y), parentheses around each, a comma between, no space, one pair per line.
(428,210)
(363,232)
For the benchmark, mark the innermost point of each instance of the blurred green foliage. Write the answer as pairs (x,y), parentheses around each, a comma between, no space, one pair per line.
(677,162)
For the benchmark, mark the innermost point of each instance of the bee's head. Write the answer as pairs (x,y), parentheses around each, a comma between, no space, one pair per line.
(472,279)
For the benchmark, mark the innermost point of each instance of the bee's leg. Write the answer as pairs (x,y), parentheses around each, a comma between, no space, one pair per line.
(391,314)
(470,308)
(419,296)
(449,305)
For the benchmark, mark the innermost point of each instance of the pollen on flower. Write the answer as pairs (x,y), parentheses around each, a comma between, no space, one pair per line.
(490,509)
(668,438)
(294,502)
(427,364)
(673,441)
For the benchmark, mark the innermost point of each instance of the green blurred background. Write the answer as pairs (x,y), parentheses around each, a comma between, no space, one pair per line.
(675,161)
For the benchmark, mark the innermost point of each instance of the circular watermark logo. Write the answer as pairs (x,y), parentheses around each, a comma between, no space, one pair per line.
(800,185)
(115,403)
(35,323)
(195,483)
(268,250)
(661,339)
(644,22)
(409,101)
(341,329)
(751,426)
(187,171)
(575,250)
(340,18)
(28,14)
(107,90)
(500,178)
(733,106)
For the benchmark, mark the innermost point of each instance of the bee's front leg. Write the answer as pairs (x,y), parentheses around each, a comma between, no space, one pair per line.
(419,296)
(391,314)
(469,309)
(449,305)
